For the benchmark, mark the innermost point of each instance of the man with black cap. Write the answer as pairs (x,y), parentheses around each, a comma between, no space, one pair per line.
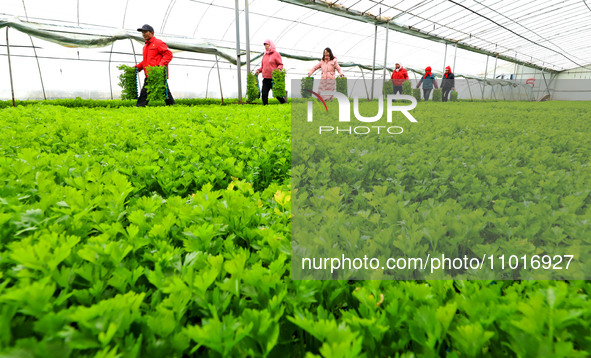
(156,53)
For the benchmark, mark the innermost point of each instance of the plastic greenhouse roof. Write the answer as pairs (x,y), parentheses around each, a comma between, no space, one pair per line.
(80,43)
(548,34)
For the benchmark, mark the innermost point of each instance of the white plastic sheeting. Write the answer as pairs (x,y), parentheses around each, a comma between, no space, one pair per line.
(66,34)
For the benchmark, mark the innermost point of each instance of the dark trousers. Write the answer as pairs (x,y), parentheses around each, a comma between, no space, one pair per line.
(445,93)
(267,86)
(397,89)
(142,101)
(427,93)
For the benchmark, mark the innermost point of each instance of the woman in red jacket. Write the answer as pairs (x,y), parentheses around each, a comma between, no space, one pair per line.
(271,60)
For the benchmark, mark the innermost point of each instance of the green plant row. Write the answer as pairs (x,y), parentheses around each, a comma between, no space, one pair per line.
(128,82)
(279,83)
(306,86)
(342,85)
(166,233)
(437,94)
(455,183)
(406,88)
(156,83)
(252,87)
(104,103)
(389,88)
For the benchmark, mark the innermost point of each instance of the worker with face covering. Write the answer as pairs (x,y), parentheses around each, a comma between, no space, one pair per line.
(428,81)
(447,83)
(271,61)
(399,75)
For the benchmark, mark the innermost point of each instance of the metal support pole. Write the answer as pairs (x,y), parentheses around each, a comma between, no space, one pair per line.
(532,92)
(515,72)
(10,68)
(386,52)
(35,52)
(373,67)
(444,58)
(36,57)
(364,82)
(492,88)
(238,51)
(470,90)
(455,53)
(485,73)
(247,37)
(38,66)
(495,70)
(136,72)
(522,69)
(544,77)
(482,87)
(219,78)
(111,84)
(514,78)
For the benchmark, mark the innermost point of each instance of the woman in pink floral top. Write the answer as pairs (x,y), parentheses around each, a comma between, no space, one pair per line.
(328,64)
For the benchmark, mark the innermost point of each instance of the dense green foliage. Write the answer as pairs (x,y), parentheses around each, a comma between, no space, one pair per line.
(100,103)
(406,88)
(454,96)
(279,83)
(128,82)
(252,87)
(437,95)
(165,232)
(306,86)
(388,87)
(342,85)
(156,83)
(416,93)
(457,184)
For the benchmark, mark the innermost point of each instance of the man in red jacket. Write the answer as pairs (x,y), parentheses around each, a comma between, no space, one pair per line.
(399,75)
(156,53)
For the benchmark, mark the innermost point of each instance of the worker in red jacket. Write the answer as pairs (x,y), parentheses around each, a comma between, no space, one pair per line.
(271,61)
(399,75)
(156,53)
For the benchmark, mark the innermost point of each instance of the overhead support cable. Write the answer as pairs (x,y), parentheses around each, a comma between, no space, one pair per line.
(516,34)
(325,6)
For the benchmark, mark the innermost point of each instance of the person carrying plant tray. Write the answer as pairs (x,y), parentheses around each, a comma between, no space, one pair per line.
(271,61)
(447,83)
(399,75)
(428,80)
(328,64)
(155,53)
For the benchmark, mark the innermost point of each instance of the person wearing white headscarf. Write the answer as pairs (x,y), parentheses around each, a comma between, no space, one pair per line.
(399,75)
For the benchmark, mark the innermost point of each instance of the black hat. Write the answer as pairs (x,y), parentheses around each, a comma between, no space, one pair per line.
(146,27)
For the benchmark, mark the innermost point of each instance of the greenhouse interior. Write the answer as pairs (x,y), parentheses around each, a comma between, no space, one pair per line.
(244,212)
